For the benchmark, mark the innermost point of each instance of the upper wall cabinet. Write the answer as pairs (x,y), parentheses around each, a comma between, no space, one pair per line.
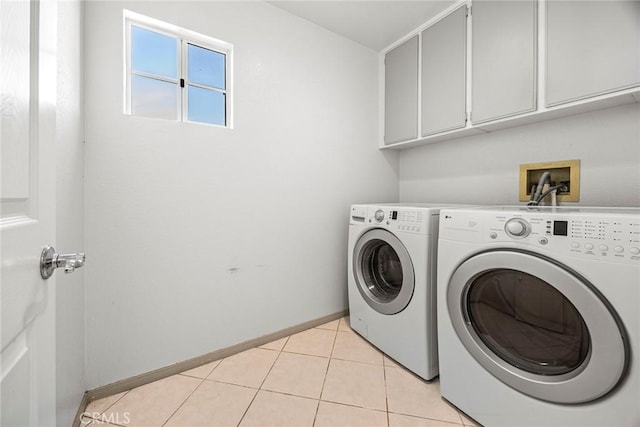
(593,47)
(401,92)
(503,59)
(443,74)
(485,65)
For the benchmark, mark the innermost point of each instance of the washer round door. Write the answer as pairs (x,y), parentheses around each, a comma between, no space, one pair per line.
(537,326)
(383,271)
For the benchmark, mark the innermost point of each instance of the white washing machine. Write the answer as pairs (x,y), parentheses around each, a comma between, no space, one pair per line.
(391,281)
(538,318)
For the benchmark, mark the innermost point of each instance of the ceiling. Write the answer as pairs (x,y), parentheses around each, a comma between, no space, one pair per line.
(374,24)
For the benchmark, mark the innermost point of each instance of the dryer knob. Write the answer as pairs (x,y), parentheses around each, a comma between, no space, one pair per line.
(379,215)
(517,227)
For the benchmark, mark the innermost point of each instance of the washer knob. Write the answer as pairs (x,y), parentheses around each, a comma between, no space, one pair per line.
(379,215)
(517,227)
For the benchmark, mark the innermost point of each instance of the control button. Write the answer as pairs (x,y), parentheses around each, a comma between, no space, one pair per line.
(517,227)
(634,251)
(379,215)
(618,249)
(543,240)
(493,235)
(588,246)
(603,248)
(575,245)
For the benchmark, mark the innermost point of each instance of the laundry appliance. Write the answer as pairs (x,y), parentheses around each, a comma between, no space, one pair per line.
(391,281)
(538,315)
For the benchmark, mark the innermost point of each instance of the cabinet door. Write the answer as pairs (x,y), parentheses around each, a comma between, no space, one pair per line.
(444,74)
(593,47)
(401,93)
(503,59)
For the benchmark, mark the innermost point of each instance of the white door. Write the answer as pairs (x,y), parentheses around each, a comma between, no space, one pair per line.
(27,211)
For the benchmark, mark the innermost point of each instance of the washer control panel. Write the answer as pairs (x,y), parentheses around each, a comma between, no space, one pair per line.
(394,218)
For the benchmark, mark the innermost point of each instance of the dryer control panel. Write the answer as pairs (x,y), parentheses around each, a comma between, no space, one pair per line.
(599,233)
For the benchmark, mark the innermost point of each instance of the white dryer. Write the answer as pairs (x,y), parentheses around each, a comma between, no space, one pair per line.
(391,281)
(538,315)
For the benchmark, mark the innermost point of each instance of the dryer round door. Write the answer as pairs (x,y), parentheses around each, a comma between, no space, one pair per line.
(537,326)
(383,271)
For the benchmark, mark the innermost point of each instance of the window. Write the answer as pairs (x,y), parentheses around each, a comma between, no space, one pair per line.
(176,74)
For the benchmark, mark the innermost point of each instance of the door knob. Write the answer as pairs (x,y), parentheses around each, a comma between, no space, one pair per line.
(49,261)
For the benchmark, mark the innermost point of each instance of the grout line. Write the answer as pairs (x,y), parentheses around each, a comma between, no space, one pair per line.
(206,376)
(263,380)
(453,423)
(105,409)
(353,405)
(184,401)
(386,392)
(326,372)
(194,390)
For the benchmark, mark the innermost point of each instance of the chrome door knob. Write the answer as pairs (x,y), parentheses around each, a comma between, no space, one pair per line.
(49,261)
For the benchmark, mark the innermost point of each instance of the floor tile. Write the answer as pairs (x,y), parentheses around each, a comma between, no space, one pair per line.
(100,405)
(214,404)
(332,326)
(351,346)
(98,423)
(275,345)
(334,414)
(399,420)
(297,374)
(344,324)
(390,362)
(323,377)
(201,371)
(248,368)
(467,421)
(152,404)
(276,409)
(355,383)
(407,394)
(314,342)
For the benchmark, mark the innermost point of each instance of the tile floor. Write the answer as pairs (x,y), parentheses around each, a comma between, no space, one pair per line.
(324,376)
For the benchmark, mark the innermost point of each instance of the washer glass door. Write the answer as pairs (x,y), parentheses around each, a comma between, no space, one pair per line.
(383,271)
(537,326)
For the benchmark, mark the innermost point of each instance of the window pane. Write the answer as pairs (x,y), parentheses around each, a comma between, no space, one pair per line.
(154,53)
(206,67)
(206,106)
(154,98)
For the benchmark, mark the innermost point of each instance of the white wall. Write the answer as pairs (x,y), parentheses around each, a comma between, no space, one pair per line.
(484,169)
(199,237)
(70,332)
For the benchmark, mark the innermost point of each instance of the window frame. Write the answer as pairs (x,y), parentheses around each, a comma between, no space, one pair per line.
(184,38)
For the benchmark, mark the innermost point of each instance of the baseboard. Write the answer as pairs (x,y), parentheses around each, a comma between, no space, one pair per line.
(167,371)
(83,407)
